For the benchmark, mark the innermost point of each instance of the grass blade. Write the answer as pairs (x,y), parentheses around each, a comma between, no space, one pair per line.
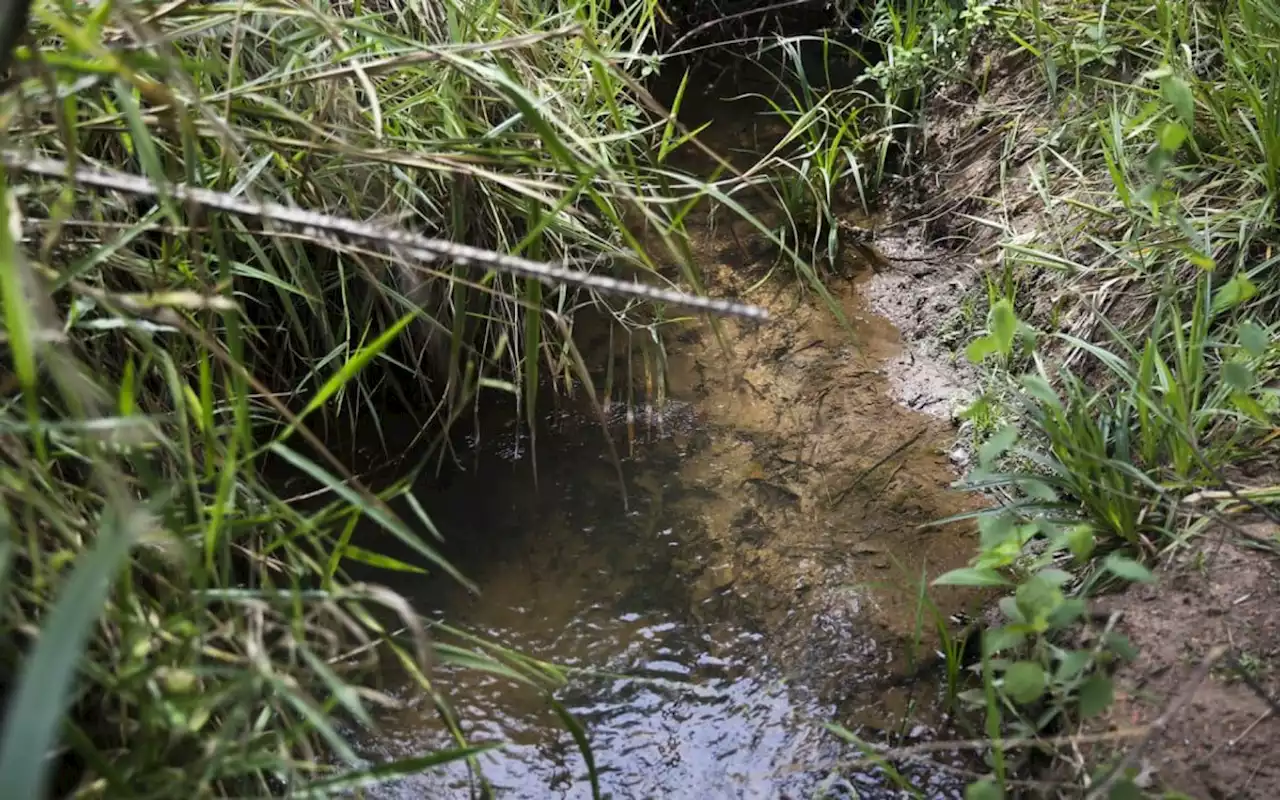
(44,685)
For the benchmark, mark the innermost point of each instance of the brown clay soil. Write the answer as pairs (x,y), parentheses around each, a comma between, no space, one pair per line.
(1220,743)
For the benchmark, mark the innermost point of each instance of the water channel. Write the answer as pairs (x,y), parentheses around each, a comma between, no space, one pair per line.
(692,686)
(761,580)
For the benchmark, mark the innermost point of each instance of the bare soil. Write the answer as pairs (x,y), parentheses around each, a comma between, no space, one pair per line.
(950,225)
(1221,743)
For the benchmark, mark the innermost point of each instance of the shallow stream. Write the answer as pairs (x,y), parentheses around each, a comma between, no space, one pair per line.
(761,580)
(707,694)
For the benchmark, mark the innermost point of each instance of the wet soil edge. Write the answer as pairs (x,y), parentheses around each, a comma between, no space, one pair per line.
(1219,591)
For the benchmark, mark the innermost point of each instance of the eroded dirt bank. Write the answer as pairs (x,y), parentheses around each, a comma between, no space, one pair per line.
(978,201)
(1219,742)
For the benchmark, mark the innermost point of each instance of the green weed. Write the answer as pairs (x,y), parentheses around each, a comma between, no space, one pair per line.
(1158,156)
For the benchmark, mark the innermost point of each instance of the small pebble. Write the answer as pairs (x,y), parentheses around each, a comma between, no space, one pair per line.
(959,456)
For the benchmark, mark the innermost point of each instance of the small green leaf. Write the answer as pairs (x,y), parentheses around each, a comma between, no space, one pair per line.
(1024,681)
(1004,325)
(1040,389)
(1254,338)
(995,640)
(985,789)
(1072,664)
(978,408)
(1177,92)
(378,560)
(975,698)
(1172,135)
(1068,612)
(1037,599)
(1234,292)
(1127,568)
(1096,695)
(1038,490)
(1003,554)
(994,530)
(1250,407)
(1119,644)
(1080,542)
(980,348)
(1057,577)
(997,445)
(1009,606)
(1200,260)
(967,576)
(1238,376)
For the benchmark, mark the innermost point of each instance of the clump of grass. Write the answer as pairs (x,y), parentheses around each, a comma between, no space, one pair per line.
(1155,371)
(822,154)
(173,626)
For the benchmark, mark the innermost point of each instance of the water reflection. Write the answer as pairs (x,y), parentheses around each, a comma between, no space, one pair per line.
(566,576)
(698,720)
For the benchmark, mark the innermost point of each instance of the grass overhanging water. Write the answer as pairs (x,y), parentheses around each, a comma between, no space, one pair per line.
(160,350)
(184,614)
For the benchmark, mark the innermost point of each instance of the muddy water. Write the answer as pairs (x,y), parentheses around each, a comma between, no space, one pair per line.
(762,578)
(568,576)
(692,683)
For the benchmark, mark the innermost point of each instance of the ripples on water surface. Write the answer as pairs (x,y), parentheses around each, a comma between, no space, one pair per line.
(568,577)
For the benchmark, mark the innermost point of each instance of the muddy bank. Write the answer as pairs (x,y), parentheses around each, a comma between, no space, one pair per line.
(960,220)
(764,576)
(1219,740)
(977,211)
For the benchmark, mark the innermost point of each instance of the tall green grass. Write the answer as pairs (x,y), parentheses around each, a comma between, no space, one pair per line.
(172,626)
